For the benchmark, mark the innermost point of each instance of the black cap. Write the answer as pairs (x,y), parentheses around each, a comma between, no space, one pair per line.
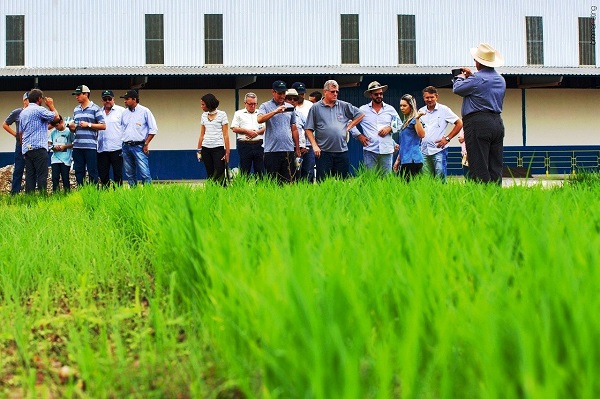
(108,93)
(299,86)
(279,86)
(131,94)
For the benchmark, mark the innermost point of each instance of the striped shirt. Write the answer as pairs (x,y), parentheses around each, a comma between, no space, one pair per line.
(33,122)
(85,137)
(213,130)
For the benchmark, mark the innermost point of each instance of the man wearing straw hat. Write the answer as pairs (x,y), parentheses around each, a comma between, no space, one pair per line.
(378,145)
(483,96)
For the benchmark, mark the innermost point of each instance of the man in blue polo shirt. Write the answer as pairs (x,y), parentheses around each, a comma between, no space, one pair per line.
(281,134)
(87,120)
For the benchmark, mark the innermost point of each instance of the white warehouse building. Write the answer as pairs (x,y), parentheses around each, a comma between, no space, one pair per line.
(175,51)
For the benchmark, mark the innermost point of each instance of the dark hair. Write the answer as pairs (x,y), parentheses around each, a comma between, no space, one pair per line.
(210,101)
(35,95)
(55,123)
(316,94)
(430,90)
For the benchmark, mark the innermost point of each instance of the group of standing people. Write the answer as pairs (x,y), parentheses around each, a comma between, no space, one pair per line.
(96,140)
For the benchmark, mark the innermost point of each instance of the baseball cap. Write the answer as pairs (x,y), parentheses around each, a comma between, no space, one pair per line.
(131,94)
(299,86)
(25,95)
(81,89)
(108,93)
(279,86)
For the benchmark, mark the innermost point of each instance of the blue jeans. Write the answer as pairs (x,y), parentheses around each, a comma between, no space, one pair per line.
(381,162)
(134,161)
(83,157)
(17,177)
(436,164)
(307,172)
(333,164)
(251,157)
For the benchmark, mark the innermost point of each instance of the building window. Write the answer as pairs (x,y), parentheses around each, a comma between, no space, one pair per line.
(155,39)
(15,40)
(350,50)
(407,40)
(535,40)
(587,41)
(213,38)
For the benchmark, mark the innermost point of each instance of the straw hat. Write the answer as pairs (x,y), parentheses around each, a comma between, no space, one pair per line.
(487,55)
(374,86)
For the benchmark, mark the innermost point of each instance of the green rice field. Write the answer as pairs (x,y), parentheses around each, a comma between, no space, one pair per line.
(365,288)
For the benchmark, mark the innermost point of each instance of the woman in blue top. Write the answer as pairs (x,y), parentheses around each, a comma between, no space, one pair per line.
(410,159)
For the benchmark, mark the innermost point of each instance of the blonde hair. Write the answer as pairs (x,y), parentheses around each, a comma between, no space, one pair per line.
(413,109)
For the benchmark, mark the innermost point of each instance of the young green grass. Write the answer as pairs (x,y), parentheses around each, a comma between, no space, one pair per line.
(365,288)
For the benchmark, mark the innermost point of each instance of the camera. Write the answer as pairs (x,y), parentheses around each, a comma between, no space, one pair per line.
(456,72)
(288,109)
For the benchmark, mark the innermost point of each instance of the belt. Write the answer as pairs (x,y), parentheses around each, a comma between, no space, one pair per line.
(250,142)
(134,143)
(480,112)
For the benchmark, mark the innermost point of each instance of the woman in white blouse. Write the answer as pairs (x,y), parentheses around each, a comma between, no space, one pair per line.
(213,144)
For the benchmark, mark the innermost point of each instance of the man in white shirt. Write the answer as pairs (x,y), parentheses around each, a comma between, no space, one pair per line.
(110,142)
(434,145)
(249,136)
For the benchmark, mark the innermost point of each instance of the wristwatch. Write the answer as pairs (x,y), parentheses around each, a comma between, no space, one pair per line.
(447,138)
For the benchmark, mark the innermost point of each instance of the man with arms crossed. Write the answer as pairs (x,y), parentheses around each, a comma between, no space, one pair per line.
(249,136)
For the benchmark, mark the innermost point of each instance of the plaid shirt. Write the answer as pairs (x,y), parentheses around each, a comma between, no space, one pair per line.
(33,123)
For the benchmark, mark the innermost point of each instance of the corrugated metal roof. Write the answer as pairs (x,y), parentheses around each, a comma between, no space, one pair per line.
(163,70)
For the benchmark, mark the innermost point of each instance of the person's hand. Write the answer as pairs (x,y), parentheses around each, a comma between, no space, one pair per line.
(461,139)
(384,131)
(396,147)
(420,114)
(303,150)
(441,142)
(146,149)
(225,157)
(317,151)
(467,72)
(251,134)
(49,101)
(281,109)
(364,140)
(396,166)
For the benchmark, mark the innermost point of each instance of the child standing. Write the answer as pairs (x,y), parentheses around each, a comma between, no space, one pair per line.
(61,143)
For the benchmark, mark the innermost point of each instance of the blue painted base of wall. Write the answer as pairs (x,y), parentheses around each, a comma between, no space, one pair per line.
(182,164)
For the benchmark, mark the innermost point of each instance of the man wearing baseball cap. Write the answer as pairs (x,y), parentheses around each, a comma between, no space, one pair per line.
(110,143)
(13,117)
(88,119)
(483,97)
(281,134)
(139,128)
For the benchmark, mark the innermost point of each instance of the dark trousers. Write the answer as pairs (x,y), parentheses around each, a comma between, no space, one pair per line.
(214,163)
(60,171)
(333,164)
(83,158)
(251,157)
(410,170)
(484,138)
(106,160)
(307,172)
(17,177)
(36,170)
(280,165)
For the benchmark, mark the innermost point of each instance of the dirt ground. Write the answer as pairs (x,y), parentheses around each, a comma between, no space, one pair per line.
(6,178)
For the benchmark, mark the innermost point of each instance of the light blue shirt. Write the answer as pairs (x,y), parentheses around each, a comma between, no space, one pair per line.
(482,91)
(33,122)
(278,133)
(111,139)
(373,122)
(138,123)
(64,137)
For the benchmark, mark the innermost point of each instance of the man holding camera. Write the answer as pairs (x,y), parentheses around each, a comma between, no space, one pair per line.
(281,135)
(483,97)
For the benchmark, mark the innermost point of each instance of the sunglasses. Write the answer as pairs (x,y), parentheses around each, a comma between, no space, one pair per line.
(106,98)
(334,91)
(292,98)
